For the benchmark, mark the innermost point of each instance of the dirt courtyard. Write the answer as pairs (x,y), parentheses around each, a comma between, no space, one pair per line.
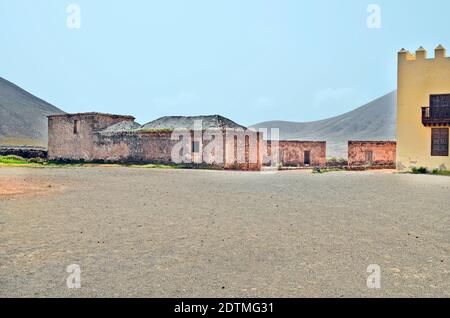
(191,233)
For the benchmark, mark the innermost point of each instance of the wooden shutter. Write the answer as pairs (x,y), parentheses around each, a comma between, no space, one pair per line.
(439,141)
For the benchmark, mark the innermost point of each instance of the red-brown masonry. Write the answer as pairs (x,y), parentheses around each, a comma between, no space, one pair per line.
(80,137)
(231,150)
(293,153)
(372,153)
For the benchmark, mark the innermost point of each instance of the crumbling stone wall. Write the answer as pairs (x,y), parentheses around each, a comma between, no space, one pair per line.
(292,152)
(24,152)
(64,143)
(243,150)
(92,143)
(133,147)
(372,153)
(158,146)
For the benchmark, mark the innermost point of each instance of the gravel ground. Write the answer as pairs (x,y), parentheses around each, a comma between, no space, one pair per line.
(191,233)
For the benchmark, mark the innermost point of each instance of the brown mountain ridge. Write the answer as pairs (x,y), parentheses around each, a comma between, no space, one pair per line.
(23,116)
(373,121)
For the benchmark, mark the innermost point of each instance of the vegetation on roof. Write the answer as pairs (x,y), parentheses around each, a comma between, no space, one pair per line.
(122,126)
(155,130)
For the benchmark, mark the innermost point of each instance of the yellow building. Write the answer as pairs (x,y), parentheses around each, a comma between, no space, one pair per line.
(423,110)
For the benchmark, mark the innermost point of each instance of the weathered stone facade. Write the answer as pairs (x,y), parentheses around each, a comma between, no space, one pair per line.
(95,137)
(75,137)
(234,149)
(372,153)
(294,153)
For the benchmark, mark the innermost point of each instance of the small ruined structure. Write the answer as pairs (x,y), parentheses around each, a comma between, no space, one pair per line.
(212,140)
(295,153)
(376,154)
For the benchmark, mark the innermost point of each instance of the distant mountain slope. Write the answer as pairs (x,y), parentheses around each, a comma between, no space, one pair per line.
(23,117)
(373,121)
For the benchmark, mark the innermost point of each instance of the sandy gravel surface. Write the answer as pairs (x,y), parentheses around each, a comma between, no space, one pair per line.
(185,233)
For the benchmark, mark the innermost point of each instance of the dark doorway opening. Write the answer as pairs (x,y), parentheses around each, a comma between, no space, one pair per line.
(195,147)
(307,158)
(369,156)
(76,126)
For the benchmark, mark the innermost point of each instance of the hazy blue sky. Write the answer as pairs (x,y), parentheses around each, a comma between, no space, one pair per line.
(251,60)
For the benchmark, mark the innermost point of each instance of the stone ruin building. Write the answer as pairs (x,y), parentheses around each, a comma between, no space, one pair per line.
(212,140)
(376,154)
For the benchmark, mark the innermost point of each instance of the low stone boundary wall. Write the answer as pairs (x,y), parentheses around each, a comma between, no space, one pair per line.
(24,152)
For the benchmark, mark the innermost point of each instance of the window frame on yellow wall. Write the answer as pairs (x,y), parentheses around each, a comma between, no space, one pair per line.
(436,139)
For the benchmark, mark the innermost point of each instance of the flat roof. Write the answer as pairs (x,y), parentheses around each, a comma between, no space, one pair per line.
(92,114)
(371,141)
(297,141)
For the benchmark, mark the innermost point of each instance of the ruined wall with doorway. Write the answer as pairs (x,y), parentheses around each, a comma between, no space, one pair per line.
(239,150)
(293,153)
(84,137)
(372,153)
